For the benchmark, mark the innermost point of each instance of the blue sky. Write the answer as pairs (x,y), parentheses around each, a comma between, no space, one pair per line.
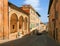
(41,6)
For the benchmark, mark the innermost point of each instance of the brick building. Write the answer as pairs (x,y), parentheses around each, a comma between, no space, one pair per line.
(54,19)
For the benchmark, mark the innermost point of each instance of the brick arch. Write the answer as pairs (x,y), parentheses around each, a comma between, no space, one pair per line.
(13,23)
(25,23)
(20,22)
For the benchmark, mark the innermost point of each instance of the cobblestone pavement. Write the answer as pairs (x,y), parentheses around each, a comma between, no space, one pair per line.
(32,40)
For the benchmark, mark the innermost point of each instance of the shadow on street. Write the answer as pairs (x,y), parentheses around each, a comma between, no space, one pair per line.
(32,40)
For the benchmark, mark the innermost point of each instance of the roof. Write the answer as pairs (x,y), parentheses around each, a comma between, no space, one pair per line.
(38,14)
(50,3)
(41,23)
(28,10)
(16,8)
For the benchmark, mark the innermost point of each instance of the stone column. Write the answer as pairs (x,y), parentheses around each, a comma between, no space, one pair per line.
(28,30)
(18,32)
(29,24)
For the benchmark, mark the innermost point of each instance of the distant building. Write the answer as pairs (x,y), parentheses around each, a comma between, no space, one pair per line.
(54,19)
(43,27)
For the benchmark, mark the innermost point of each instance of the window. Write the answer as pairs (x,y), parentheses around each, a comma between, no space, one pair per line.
(37,24)
(19,26)
(53,20)
(32,26)
(13,26)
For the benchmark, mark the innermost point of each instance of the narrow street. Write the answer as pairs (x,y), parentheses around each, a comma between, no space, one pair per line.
(29,22)
(32,40)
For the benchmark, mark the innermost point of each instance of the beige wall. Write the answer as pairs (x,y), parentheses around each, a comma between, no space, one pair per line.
(34,20)
(19,14)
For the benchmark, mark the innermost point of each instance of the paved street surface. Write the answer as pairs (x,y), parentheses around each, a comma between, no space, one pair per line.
(32,40)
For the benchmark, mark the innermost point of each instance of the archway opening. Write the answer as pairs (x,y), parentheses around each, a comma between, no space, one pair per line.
(21,24)
(13,23)
(25,23)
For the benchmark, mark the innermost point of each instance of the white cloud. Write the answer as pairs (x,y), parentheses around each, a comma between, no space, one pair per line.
(34,3)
